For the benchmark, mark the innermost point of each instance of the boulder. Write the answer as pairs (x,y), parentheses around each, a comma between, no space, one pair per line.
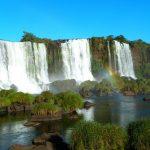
(47,146)
(18,107)
(22,147)
(36,118)
(128,93)
(147,99)
(42,139)
(31,124)
(64,85)
(88,104)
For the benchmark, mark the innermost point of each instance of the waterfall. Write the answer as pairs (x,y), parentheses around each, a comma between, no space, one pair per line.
(109,56)
(76,60)
(24,65)
(124,60)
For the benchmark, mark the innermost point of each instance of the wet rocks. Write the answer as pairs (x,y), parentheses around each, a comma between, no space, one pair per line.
(88,104)
(129,93)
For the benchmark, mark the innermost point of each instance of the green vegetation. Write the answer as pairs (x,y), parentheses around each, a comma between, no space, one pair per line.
(44,109)
(141,54)
(44,104)
(95,136)
(89,88)
(11,97)
(45,96)
(21,98)
(69,101)
(139,135)
(139,86)
(104,88)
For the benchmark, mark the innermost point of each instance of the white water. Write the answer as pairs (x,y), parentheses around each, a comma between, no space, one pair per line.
(76,60)
(24,65)
(124,60)
(109,56)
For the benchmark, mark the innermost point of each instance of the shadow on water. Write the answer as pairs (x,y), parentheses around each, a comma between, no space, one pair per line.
(116,109)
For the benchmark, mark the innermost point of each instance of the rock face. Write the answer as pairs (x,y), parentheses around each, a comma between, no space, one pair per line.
(129,93)
(42,139)
(36,118)
(46,141)
(64,85)
(47,146)
(88,104)
(147,98)
(18,107)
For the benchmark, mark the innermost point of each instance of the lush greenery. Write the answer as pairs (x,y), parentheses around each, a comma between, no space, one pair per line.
(115,83)
(45,96)
(141,55)
(69,101)
(95,136)
(45,109)
(11,97)
(44,104)
(139,135)
(139,86)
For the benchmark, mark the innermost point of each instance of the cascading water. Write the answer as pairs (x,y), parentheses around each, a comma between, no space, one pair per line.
(76,60)
(24,65)
(109,56)
(124,60)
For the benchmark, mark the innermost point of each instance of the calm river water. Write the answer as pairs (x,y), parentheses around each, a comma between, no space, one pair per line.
(116,109)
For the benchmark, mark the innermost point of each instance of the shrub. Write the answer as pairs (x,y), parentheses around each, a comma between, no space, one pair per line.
(21,98)
(45,109)
(94,136)
(69,101)
(139,135)
(4,102)
(5,93)
(104,87)
(45,96)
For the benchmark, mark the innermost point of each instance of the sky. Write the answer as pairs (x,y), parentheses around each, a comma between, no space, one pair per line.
(67,19)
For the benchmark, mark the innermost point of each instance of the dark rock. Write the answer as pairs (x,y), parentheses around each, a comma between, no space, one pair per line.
(64,85)
(32,124)
(14,87)
(22,147)
(41,140)
(18,107)
(47,146)
(36,118)
(59,143)
(129,93)
(147,99)
(72,115)
(88,104)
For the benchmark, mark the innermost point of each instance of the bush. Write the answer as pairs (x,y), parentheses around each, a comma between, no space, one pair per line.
(5,93)
(4,102)
(139,135)
(45,109)
(45,96)
(69,101)
(21,98)
(94,136)
(104,87)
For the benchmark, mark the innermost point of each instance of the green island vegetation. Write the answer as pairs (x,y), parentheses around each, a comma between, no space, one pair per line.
(116,83)
(41,105)
(96,136)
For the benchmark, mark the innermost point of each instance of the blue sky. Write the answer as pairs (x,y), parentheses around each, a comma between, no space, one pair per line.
(59,19)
